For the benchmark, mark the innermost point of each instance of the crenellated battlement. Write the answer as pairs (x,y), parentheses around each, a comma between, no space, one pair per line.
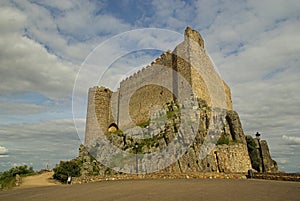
(158,61)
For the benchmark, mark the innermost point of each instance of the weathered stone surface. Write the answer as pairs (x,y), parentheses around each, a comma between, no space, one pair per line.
(222,158)
(260,156)
(18,180)
(194,35)
(235,126)
(269,164)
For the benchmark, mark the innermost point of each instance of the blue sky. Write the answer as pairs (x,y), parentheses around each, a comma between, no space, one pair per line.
(254,44)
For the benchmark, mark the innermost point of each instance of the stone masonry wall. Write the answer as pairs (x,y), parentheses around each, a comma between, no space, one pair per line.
(189,59)
(144,90)
(140,111)
(99,116)
(206,81)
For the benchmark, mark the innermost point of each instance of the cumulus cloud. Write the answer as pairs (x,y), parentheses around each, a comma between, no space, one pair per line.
(291,140)
(77,26)
(26,66)
(3,150)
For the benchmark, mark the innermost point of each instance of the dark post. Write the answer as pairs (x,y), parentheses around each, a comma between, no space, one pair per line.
(136,158)
(257,135)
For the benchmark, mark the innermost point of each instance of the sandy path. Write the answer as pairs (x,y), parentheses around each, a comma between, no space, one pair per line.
(44,179)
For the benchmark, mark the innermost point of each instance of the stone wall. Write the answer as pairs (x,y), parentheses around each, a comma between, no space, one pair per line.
(222,159)
(152,96)
(150,87)
(207,83)
(232,158)
(98,116)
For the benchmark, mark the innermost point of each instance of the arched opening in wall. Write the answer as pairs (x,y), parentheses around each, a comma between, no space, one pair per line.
(113,128)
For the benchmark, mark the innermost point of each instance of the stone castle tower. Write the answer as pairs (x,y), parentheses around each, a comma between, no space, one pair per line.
(189,59)
(185,73)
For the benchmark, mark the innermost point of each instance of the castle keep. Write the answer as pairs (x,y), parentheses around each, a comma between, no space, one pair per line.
(161,91)
(189,59)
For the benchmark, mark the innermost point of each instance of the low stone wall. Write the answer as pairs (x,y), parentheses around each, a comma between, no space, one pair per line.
(271,176)
(278,176)
(89,179)
(233,158)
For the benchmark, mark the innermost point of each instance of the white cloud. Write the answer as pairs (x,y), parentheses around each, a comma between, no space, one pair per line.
(291,140)
(3,150)
(26,66)
(77,26)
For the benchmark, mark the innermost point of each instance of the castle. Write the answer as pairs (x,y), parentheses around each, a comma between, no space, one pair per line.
(177,80)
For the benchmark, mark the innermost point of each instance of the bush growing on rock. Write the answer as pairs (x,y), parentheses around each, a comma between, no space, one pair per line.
(223,140)
(253,153)
(65,169)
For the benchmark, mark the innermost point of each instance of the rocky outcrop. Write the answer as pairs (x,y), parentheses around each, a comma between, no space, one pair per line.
(269,164)
(18,180)
(235,127)
(201,155)
(260,155)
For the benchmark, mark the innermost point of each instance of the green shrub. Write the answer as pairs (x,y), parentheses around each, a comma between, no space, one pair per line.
(253,153)
(65,169)
(223,140)
(144,124)
(7,182)
(7,178)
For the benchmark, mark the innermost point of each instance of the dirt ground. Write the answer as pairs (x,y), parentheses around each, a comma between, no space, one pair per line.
(162,189)
(44,179)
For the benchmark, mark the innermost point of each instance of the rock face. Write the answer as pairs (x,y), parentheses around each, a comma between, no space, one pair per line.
(195,125)
(201,155)
(18,180)
(260,156)
(235,127)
